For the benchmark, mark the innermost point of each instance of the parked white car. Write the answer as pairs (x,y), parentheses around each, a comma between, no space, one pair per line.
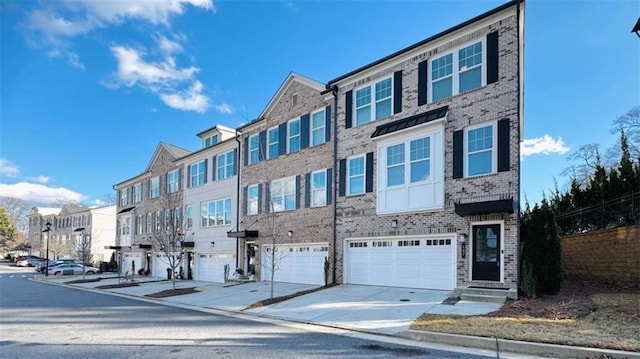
(72,268)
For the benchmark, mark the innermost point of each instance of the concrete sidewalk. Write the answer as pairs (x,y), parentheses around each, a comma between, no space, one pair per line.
(376,310)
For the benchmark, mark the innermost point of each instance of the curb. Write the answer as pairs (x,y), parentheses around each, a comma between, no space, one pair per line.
(515,346)
(495,345)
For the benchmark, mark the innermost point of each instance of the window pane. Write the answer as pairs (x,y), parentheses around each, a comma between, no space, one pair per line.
(356,185)
(319,198)
(395,175)
(480,163)
(470,79)
(442,67)
(480,139)
(395,154)
(420,148)
(442,89)
(319,180)
(363,96)
(383,109)
(470,56)
(363,115)
(420,171)
(290,202)
(356,166)
(383,89)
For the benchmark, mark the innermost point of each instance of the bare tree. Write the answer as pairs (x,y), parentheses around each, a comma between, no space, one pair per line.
(628,123)
(588,159)
(59,245)
(168,234)
(275,223)
(18,213)
(82,247)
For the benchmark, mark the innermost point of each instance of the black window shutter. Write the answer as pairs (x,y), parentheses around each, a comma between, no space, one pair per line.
(282,139)
(297,191)
(307,190)
(262,147)
(327,123)
(492,57)
(304,131)
(267,198)
(206,168)
(423,82)
(342,184)
(458,154)
(188,176)
(180,177)
(235,161)
(245,150)
(369,172)
(245,202)
(214,170)
(348,109)
(503,145)
(329,184)
(397,91)
(259,198)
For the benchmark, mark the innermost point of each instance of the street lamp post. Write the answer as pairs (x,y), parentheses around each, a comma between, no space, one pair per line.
(48,230)
(83,245)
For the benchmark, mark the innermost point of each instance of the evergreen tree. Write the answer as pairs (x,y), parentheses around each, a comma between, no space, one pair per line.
(8,231)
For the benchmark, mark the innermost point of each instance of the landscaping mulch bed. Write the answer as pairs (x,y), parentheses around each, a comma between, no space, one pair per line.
(582,313)
(274,300)
(78,281)
(172,292)
(121,285)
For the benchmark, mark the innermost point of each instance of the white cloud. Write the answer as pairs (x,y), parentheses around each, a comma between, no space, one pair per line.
(40,194)
(189,100)
(8,168)
(40,179)
(545,145)
(98,203)
(225,109)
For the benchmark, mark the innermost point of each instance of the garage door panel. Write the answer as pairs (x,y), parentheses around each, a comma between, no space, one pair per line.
(415,262)
(210,266)
(296,263)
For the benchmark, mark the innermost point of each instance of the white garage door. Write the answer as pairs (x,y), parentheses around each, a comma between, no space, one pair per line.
(159,265)
(408,262)
(128,260)
(295,263)
(210,266)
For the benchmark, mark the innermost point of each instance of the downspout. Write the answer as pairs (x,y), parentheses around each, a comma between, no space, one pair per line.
(520,94)
(334,90)
(238,197)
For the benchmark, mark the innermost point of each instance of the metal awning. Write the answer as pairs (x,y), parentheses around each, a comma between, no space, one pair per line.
(189,244)
(486,207)
(126,210)
(409,122)
(243,234)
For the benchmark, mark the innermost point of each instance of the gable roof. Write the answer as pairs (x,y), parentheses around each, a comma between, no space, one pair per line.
(175,151)
(291,78)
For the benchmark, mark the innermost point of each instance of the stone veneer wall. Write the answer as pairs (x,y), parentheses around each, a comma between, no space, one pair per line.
(610,256)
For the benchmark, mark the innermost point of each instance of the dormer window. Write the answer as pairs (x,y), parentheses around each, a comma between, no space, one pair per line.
(210,141)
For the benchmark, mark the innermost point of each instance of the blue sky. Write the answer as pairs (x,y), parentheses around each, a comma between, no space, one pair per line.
(89,88)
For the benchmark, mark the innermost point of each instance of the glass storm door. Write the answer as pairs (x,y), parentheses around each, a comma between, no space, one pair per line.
(486,252)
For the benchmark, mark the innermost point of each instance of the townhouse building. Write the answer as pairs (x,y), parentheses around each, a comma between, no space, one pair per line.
(428,160)
(286,183)
(147,205)
(74,229)
(210,201)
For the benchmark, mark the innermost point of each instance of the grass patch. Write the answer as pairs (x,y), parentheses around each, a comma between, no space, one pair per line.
(606,320)
(172,292)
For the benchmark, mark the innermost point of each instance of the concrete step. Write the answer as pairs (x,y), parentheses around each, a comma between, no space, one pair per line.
(505,293)
(483,298)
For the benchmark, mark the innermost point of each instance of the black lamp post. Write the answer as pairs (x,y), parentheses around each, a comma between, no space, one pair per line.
(48,230)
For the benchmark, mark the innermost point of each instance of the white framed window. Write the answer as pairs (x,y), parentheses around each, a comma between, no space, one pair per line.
(125,226)
(158,221)
(198,173)
(410,171)
(225,165)
(458,71)
(189,217)
(293,133)
(319,188)
(154,187)
(173,181)
(124,194)
(137,193)
(373,102)
(167,222)
(177,223)
(253,193)
(210,141)
(139,224)
(317,128)
(254,149)
(355,175)
(480,150)
(273,138)
(149,222)
(215,213)
(283,194)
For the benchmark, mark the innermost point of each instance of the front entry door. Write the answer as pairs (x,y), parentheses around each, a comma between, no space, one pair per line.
(486,252)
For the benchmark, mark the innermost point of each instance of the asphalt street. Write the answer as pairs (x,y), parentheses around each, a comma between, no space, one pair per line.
(44,321)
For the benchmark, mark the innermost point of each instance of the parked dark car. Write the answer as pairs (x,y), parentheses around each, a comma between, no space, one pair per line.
(41,266)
